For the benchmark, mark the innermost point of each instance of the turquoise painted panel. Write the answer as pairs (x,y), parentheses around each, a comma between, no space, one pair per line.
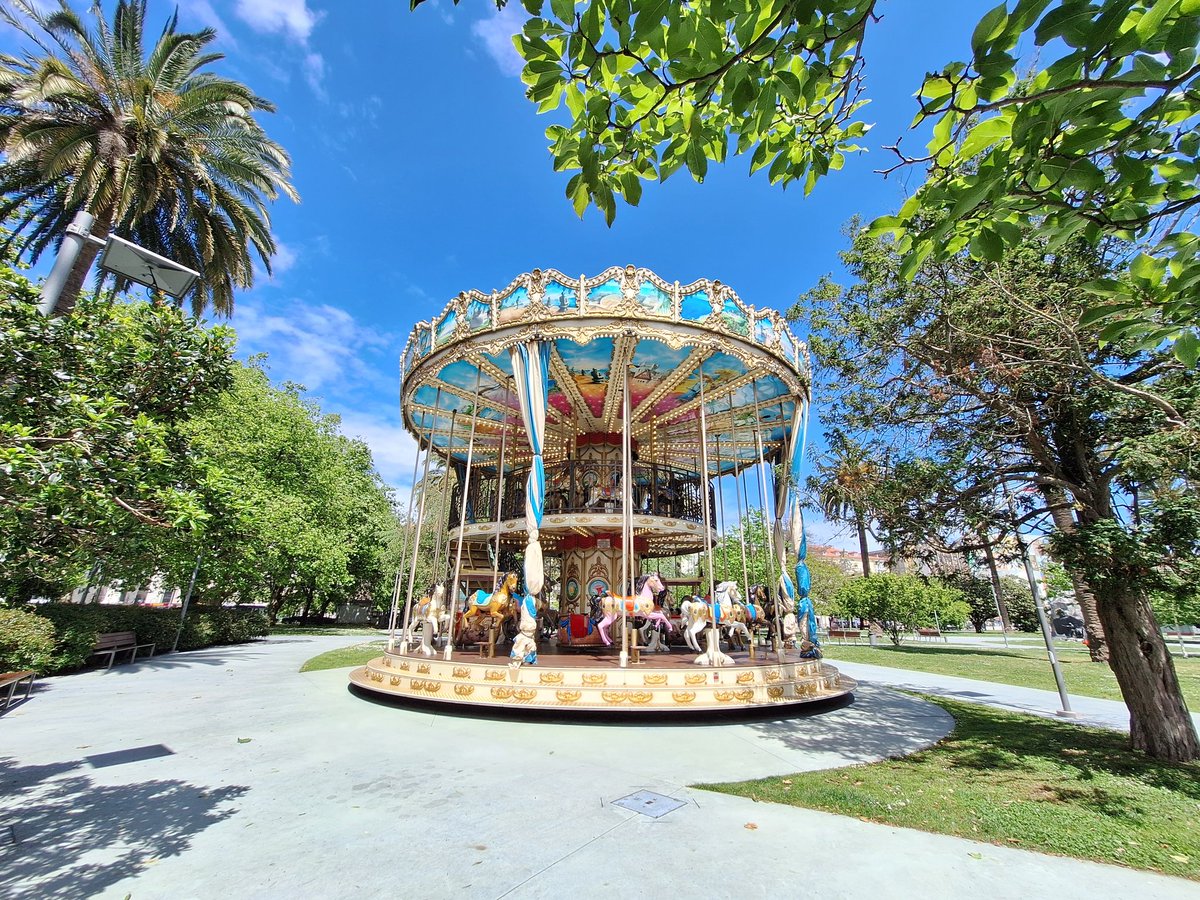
(606,295)
(561,297)
(479,315)
(424,344)
(445,328)
(513,305)
(695,306)
(787,345)
(735,319)
(764,330)
(653,299)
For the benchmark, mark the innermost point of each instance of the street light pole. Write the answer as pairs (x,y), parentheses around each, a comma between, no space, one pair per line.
(1036,589)
(79,233)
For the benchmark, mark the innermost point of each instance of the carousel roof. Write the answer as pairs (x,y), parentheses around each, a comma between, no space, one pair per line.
(669,342)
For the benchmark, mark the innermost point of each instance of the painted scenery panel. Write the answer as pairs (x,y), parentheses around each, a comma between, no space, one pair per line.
(695,306)
(653,299)
(560,297)
(653,362)
(479,315)
(605,296)
(513,306)
(735,318)
(445,328)
(589,366)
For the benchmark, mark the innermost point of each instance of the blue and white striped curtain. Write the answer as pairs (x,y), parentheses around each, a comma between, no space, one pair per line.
(531,369)
(799,542)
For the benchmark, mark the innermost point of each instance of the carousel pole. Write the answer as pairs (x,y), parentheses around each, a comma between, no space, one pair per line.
(737,489)
(626,514)
(416,544)
(462,515)
(768,541)
(714,635)
(441,567)
(394,611)
(721,510)
(499,504)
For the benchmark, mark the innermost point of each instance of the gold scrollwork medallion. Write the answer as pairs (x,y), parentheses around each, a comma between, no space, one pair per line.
(746,678)
(775,692)
(600,678)
(550,677)
(524,693)
(683,696)
(464,690)
(422,669)
(697,678)
(655,679)
(461,672)
(568,696)
(395,679)
(502,693)
(614,696)
(493,675)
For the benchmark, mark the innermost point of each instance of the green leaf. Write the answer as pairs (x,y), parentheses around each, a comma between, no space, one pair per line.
(983,135)
(1187,348)
(990,27)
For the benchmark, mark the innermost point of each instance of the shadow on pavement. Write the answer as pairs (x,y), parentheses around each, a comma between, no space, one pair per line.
(71,837)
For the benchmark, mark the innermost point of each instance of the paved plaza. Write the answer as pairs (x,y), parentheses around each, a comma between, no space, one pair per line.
(226,773)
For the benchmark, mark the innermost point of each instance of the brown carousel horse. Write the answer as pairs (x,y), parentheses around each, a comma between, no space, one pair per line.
(499,606)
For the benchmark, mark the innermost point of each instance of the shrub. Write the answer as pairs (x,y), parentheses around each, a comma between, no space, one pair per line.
(77,626)
(900,603)
(26,641)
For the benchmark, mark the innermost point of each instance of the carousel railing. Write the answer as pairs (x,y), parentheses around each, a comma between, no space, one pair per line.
(586,487)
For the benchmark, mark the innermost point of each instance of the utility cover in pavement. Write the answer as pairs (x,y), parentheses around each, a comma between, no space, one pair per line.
(649,804)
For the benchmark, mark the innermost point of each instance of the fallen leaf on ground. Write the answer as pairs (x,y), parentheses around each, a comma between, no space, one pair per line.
(1180,858)
(975,855)
(244,740)
(750,826)
(786,781)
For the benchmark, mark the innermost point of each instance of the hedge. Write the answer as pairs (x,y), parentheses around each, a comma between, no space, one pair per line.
(76,627)
(26,641)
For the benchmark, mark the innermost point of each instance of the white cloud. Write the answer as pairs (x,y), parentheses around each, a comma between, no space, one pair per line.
(496,32)
(392,447)
(314,74)
(319,346)
(283,260)
(290,17)
(296,21)
(202,11)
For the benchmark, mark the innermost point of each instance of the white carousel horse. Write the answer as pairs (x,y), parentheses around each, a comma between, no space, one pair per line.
(698,613)
(429,614)
(597,495)
(642,605)
(420,612)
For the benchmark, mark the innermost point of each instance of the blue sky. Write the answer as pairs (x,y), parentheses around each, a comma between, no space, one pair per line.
(423,172)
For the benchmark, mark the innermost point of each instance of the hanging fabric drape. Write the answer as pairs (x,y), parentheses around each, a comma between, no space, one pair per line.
(799,541)
(531,366)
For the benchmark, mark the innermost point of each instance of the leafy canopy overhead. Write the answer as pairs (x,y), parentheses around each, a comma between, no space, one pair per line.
(1098,140)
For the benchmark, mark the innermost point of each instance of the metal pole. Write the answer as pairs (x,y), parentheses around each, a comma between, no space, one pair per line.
(186,600)
(78,233)
(499,503)
(462,515)
(1035,589)
(721,510)
(737,490)
(416,544)
(626,514)
(442,568)
(392,614)
(768,537)
(707,508)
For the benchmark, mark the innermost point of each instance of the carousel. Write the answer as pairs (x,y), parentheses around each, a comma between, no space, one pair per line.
(591,434)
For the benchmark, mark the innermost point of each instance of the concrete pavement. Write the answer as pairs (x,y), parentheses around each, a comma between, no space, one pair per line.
(225,773)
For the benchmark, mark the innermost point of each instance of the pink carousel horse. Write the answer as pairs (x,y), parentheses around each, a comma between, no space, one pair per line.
(641,605)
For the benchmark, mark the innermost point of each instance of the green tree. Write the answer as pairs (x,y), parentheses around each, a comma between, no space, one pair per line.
(1099,141)
(846,477)
(151,143)
(901,603)
(986,376)
(93,458)
(306,522)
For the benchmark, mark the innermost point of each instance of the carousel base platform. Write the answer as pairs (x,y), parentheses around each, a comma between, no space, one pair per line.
(661,682)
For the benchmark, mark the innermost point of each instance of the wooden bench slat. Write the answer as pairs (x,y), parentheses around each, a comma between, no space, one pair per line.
(115,642)
(12,681)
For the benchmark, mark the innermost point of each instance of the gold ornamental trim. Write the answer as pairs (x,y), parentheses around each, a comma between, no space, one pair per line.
(597,678)
(568,696)
(550,677)
(772,675)
(683,696)
(493,675)
(403,667)
(423,669)
(387,663)
(524,693)
(694,679)
(464,690)
(395,679)
(640,696)
(746,678)
(655,679)
(615,696)
(376,676)
(502,693)
(775,692)
(461,672)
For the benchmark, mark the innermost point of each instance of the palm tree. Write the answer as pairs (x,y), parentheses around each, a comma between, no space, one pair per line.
(150,144)
(842,487)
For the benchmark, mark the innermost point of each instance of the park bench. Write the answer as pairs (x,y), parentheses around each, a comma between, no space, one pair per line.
(119,642)
(11,680)
(931,634)
(841,635)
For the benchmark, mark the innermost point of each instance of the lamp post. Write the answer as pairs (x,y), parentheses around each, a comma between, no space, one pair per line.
(118,256)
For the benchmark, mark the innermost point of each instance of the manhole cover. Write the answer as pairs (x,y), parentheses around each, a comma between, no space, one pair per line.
(649,804)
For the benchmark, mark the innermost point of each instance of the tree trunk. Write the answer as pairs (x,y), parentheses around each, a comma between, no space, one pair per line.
(1159,722)
(997,588)
(83,264)
(862,545)
(1084,595)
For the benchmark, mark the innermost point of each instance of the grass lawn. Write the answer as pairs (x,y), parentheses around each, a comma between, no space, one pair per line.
(345,657)
(1018,666)
(1019,781)
(325,630)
